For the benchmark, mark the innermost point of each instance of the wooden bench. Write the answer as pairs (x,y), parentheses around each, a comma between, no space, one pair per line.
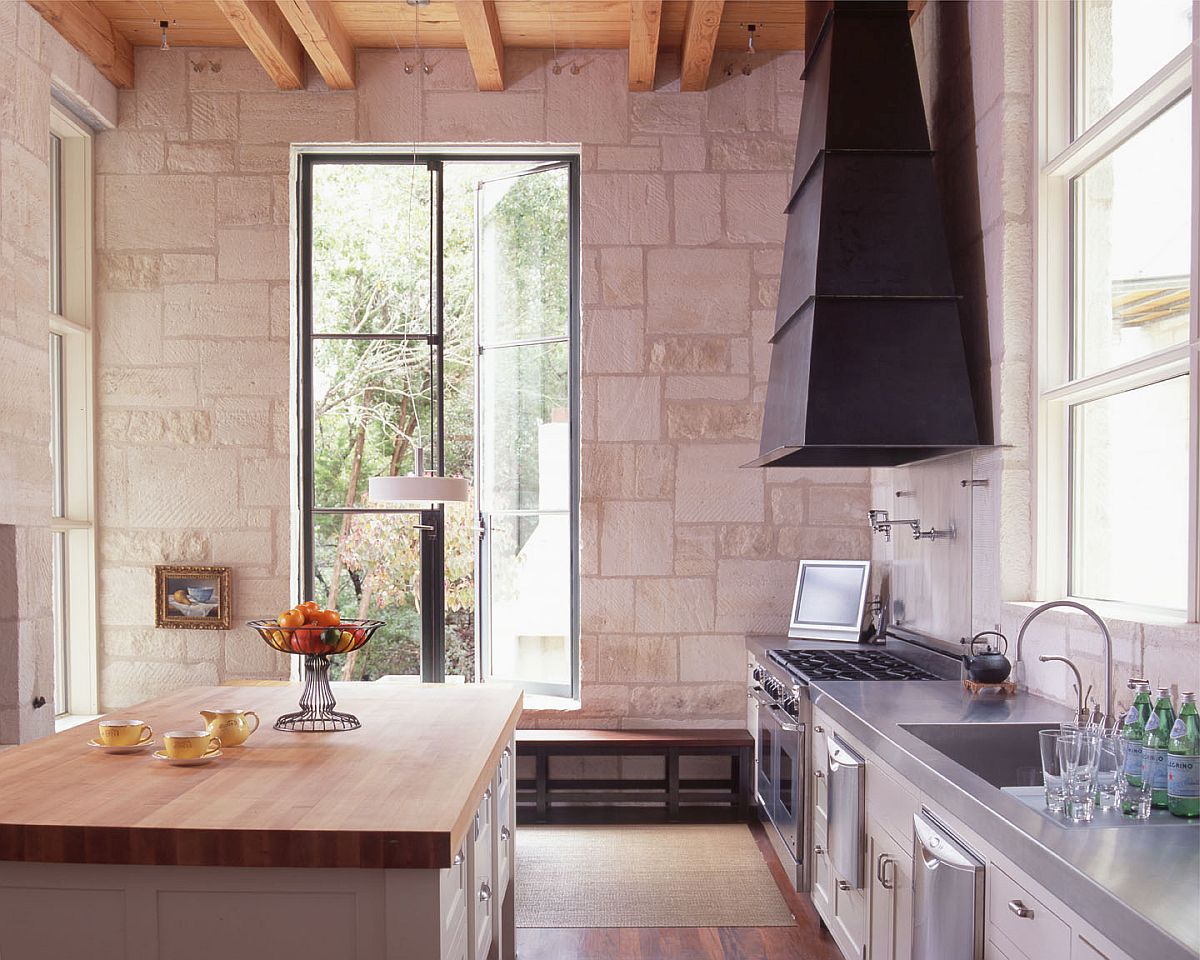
(732,794)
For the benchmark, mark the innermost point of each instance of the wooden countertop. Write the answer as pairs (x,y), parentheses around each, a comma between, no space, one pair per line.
(401,792)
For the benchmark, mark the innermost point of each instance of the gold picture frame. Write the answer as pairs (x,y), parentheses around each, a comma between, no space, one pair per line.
(192,598)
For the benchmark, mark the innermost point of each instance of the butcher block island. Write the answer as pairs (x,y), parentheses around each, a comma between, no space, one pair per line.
(392,841)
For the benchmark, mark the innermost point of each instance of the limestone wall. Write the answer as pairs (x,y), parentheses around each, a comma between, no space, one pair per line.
(683,194)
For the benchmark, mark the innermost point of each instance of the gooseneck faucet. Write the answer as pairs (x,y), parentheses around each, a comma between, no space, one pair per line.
(1075,605)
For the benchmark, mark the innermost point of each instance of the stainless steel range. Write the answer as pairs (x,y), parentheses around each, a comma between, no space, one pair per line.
(781,718)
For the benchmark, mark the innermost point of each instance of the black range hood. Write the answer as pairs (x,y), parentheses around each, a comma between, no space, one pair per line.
(868,363)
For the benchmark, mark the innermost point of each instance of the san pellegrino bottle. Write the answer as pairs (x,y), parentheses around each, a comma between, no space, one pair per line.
(1133,730)
(1154,748)
(1183,761)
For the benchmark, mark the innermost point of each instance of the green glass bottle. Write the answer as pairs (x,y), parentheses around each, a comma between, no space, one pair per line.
(1154,748)
(1183,761)
(1133,730)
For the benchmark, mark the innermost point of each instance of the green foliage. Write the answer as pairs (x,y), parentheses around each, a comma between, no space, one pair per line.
(373,398)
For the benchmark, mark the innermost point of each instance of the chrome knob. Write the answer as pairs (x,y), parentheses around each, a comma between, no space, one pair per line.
(818,729)
(505,833)
(458,859)
(844,885)
(485,892)
(487,794)
(819,850)
(818,774)
(506,753)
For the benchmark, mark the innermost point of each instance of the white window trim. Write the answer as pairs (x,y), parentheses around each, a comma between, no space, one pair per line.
(75,327)
(1059,158)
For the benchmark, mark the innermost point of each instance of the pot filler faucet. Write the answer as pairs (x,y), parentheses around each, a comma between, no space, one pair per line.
(1074,605)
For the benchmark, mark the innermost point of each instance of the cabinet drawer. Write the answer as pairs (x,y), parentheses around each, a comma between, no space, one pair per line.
(1040,934)
(822,879)
(891,806)
(454,902)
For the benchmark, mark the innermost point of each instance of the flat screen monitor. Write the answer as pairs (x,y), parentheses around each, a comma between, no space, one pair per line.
(831,599)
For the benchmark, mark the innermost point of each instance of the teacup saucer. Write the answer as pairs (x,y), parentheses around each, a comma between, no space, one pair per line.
(190,761)
(124,748)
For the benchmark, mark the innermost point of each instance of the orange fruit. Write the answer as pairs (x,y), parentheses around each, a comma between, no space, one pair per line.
(291,619)
(327,618)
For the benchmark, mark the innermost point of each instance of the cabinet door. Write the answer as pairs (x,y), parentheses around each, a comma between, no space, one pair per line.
(822,878)
(881,934)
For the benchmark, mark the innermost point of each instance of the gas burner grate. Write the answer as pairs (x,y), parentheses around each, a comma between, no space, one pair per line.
(849,665)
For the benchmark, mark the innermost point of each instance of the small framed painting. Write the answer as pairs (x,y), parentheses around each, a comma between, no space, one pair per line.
(192,598)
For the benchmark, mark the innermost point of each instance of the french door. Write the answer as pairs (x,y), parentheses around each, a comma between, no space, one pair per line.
(439,310)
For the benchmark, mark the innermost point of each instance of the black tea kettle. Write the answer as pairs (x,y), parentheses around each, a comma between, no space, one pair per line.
(991,666)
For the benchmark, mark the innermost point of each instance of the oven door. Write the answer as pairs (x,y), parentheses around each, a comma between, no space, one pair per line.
(789,782)
(768,736)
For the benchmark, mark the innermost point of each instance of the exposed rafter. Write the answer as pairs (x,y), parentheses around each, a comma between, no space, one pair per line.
(321,33)
(89,31)
(270,38)
(699,42)
(645,19)
(481,32)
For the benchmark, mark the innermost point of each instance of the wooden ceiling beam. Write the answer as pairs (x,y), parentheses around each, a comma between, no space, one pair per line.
(481,33)
(699,42)
(270,38)
(323,36)
(85,27)
(645,19)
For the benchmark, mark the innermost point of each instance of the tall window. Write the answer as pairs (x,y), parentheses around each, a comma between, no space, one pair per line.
(72,542)
(438,314)
(1117,248)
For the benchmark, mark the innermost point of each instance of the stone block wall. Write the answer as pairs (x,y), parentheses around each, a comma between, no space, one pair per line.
(682,551)
(34,59)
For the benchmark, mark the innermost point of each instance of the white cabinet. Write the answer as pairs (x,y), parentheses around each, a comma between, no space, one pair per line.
(889,934)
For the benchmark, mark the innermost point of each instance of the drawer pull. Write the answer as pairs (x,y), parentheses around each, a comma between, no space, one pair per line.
(485,892)
(487,794)
(818,729)
(505,833)
(818,774)
(458,859)
(1022,911)
(819,850)
(844,885)
(881,865)
(506,752)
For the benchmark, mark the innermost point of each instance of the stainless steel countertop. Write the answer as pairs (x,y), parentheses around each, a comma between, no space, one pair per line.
(1140,887)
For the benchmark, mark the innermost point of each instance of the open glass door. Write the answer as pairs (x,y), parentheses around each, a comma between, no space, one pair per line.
(526,582)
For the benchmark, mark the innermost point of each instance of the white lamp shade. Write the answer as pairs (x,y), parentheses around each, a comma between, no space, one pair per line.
(419,489)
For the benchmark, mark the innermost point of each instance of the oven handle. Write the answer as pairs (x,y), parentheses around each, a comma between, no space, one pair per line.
(786,725)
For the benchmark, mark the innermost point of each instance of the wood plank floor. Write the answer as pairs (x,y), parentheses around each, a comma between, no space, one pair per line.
(806,940)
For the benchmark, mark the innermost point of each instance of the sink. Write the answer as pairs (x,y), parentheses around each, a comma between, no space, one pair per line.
(1003,754)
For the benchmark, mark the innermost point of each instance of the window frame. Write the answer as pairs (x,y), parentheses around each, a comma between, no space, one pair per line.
(72,520)
(1062,155)
(432,620)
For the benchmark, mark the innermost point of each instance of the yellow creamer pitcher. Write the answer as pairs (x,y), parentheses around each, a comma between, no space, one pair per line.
(232,726)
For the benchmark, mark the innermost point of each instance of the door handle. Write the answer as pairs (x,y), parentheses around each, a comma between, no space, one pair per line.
(1019,908)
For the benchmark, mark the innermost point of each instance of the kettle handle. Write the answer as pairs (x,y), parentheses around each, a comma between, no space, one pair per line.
(970,644)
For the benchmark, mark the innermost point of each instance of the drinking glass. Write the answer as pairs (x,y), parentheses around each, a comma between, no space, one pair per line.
(1078,756)
(1135,798)
(1052,769)
(1109,764)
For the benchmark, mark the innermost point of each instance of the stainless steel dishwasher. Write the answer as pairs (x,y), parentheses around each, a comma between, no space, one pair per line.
(846,808)
(947,895)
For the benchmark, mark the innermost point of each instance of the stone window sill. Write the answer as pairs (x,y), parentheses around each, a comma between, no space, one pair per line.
(541,701)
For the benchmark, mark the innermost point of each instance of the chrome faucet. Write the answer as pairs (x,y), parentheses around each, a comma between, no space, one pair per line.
(1075,605)
(1081,698)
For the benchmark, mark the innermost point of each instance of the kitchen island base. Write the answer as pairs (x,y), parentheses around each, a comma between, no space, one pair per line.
(103,912)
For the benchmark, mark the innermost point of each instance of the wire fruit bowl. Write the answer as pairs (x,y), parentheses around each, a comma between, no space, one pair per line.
(317,644)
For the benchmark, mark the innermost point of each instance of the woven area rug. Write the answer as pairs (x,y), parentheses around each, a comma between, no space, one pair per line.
(681,875)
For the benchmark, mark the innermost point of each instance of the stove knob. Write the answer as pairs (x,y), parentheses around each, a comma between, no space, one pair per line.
(757,674)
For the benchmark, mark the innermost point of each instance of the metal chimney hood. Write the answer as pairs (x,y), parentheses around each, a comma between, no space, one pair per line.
(868,363)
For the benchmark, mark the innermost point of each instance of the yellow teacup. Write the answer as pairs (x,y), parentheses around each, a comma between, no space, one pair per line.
(124,733)
(189,744)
